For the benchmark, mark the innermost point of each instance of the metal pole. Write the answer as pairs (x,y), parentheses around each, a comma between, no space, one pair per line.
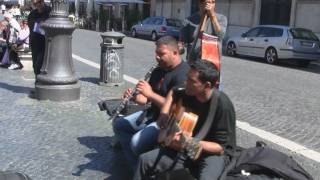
(57,80)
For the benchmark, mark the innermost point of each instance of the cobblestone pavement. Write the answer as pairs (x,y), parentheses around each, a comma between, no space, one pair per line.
(50,140)
(70,140)
(278,99)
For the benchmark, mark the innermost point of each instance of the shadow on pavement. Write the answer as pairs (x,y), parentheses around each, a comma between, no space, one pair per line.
(93,80)
(15,89)
(104,159)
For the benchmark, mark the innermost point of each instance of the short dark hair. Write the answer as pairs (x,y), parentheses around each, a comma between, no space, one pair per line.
(168,41)
(207,71)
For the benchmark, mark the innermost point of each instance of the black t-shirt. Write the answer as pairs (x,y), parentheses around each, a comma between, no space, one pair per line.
(163,81)
(223,128)
(37,40)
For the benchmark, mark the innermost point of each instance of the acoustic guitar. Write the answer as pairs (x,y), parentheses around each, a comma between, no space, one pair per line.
(181,120)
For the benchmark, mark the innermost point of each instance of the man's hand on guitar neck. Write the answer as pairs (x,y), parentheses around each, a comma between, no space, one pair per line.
(184,143)
(175,141)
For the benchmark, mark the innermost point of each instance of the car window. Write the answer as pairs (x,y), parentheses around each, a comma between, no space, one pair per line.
(270,32)
(253,32)
(174,22)
(151,21)
(300,33)
(277,32)
(146,21)
(158,21)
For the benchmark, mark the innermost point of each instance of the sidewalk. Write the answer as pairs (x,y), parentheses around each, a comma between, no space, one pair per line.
(70,140)
(51,140)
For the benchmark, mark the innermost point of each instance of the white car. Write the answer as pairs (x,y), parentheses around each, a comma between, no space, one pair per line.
(273,42)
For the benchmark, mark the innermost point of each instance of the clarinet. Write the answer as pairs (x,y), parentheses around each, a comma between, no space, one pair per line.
(114,113)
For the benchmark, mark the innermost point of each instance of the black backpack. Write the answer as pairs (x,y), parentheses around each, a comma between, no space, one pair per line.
(257,163)
(263,163)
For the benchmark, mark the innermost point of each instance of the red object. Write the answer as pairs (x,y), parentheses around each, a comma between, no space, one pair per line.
(163,29)
(210,50)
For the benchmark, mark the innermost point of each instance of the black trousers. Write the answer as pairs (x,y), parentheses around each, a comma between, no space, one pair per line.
(207,167)
(14,58)
(37,58)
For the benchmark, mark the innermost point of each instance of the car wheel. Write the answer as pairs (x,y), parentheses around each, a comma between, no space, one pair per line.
(134,33)
(271,56)
(303,63)
(153,36)
(231,49)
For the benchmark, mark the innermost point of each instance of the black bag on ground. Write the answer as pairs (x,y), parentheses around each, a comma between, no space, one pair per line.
(263,163)
(110,104)
(10,175)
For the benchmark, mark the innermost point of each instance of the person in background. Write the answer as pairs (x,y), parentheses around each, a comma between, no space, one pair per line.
(216,27)
(188,32)
(37,37)
(17,12)
(5,62)
(22,42)
(13,30)
(3,8)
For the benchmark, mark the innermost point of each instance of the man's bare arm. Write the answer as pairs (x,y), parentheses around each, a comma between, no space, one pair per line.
(211,147)
(144,88)
(165,110)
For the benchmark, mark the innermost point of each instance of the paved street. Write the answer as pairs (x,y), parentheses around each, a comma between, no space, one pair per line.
(70,140)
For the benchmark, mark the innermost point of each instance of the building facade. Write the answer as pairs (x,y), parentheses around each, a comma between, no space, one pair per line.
(244,14)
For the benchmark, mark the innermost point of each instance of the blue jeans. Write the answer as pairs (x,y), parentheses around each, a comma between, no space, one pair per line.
(135,139)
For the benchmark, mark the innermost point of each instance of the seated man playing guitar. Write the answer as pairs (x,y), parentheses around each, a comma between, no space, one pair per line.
(202,149)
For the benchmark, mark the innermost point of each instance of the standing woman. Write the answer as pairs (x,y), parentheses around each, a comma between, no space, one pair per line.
(13,30)
(4,55)
(189,31)
(37,38)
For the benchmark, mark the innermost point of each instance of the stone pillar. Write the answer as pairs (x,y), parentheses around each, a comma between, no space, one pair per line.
(57,80)
(293,13)
(257,12)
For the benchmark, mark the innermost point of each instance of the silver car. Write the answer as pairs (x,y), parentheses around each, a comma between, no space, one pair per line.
(273,42)
(157,26)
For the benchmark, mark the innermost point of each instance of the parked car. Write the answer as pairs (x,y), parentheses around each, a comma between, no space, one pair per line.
(273,42)
(157,26)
